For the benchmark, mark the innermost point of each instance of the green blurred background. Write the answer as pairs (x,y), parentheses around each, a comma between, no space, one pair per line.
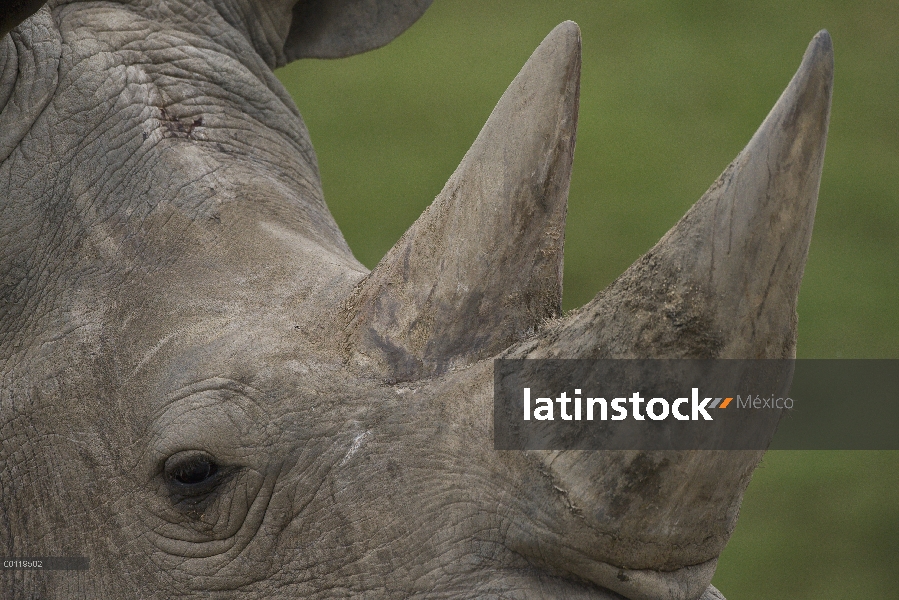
(670,93)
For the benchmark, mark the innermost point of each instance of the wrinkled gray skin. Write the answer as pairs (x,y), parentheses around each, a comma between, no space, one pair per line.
(202,389)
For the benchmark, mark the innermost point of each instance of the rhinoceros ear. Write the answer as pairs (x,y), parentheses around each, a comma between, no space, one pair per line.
(482,267)
(13,12)
(338,28)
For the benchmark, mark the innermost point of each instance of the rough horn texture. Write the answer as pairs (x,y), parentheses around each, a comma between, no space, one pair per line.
(482,267)
(723,283)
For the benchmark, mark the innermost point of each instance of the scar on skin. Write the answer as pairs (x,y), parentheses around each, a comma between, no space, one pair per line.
(357,443)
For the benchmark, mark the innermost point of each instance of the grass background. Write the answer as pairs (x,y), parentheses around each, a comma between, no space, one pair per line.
(671,92)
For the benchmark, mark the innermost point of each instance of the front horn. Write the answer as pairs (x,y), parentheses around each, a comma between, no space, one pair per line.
(481,268)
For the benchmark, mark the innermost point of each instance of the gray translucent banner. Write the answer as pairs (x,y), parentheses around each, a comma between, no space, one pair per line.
(803,404)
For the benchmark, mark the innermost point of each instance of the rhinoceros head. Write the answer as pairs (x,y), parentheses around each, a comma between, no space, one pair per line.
(203,391)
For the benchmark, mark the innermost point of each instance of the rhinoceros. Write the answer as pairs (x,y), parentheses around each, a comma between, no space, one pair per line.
(206,395)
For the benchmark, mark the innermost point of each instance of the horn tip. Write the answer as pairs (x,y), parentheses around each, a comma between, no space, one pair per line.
(819,57)
(566,35)
(569,28)
(822,42)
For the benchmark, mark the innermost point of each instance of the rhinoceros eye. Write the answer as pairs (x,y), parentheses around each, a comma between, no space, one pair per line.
(191,472)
